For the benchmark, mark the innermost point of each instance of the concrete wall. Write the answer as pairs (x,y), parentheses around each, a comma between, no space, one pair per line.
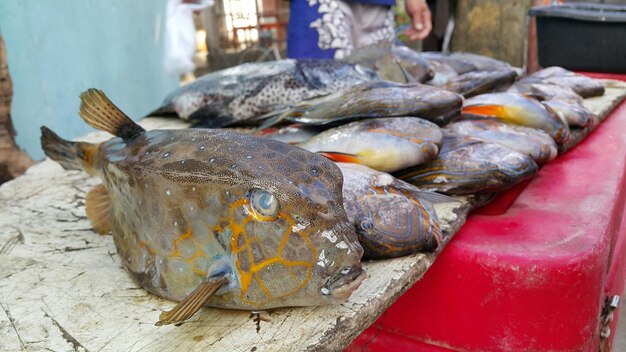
(57,49)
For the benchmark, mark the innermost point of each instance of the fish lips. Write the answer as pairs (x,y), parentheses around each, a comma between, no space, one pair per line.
(340,286)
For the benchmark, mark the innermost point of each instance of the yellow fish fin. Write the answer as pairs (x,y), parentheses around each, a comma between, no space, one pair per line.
(192,303)
(100,113)
(98,204)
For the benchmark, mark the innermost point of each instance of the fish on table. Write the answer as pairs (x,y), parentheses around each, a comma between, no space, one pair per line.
(478,82)
(385,144)
(374,99)
(574,114)
(584,86)
(517,109)
(546,91)
(467,165)
(241,95)
(463,62)
(529,141)
(215,217)
(392,218)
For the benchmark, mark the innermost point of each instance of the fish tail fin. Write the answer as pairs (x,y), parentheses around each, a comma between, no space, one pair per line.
(484,110)
(71,155)
(100,113)
(271,119)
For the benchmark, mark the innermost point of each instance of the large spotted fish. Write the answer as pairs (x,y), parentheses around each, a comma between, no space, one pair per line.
(385,144)
(216,217)
(392,217)
(241,95)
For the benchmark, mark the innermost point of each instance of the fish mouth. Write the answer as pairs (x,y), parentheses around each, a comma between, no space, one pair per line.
(341,285)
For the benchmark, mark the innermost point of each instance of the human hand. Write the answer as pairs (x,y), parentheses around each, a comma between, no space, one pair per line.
(421,23)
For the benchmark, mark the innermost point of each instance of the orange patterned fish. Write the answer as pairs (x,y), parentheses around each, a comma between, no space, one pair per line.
(215,217)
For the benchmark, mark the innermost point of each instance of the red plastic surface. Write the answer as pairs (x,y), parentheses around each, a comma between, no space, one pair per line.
(531,273)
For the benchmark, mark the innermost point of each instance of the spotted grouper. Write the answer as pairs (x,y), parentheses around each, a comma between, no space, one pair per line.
(214,217)
(241,95)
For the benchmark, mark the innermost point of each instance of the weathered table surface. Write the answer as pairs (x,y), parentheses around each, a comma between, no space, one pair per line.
(62,287)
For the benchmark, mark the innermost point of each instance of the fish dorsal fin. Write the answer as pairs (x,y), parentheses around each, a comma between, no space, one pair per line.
(100,113)
(98,204)
(192,303)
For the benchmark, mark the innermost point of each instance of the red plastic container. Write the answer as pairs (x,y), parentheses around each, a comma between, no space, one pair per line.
(531,275)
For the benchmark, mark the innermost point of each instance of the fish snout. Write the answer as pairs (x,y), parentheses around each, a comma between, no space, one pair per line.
(341,285)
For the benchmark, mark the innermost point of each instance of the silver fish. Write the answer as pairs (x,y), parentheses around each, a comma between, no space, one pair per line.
(240,95)
(375,99)
(385,144)
(529,141)
(463,62)
(517,109)
(478,82)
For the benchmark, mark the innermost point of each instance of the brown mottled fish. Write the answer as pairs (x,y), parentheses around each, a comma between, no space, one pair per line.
(385,144)
(392,217)
(468,165)
(215,217)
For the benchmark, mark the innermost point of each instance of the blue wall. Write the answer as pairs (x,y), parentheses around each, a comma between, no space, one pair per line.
(57,49)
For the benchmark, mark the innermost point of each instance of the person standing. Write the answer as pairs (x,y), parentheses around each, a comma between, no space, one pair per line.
(332,29)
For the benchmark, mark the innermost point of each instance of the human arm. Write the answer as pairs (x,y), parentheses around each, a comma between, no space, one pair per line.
(421,22)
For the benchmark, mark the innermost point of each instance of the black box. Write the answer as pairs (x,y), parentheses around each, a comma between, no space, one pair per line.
(582,37)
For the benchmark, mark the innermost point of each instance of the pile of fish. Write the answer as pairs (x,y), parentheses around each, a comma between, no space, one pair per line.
(451,123)
(216,217)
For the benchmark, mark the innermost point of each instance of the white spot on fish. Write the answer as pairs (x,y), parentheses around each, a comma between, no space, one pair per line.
(166,154)
(440,179)
(383,180)
(296,228)
(182,161)
(168,192)
(193,139)
(146,185)
(248,156)
(193,189)
(202,147)
(175,223)
(191,208)
(330,236)
(322,259)
(147,152)
(342,245)
(325,291)
(212,160)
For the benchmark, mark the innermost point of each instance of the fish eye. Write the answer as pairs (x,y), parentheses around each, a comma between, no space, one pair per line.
(263,202)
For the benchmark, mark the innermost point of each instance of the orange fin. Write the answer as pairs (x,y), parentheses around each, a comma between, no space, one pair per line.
(98,204)
(100,113)
(192,303)
(339,157)
(484,110)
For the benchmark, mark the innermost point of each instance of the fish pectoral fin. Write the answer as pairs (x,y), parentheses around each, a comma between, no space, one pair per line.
(192,303)
(98,205)
(484,110)
(100,113)
(340,157)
